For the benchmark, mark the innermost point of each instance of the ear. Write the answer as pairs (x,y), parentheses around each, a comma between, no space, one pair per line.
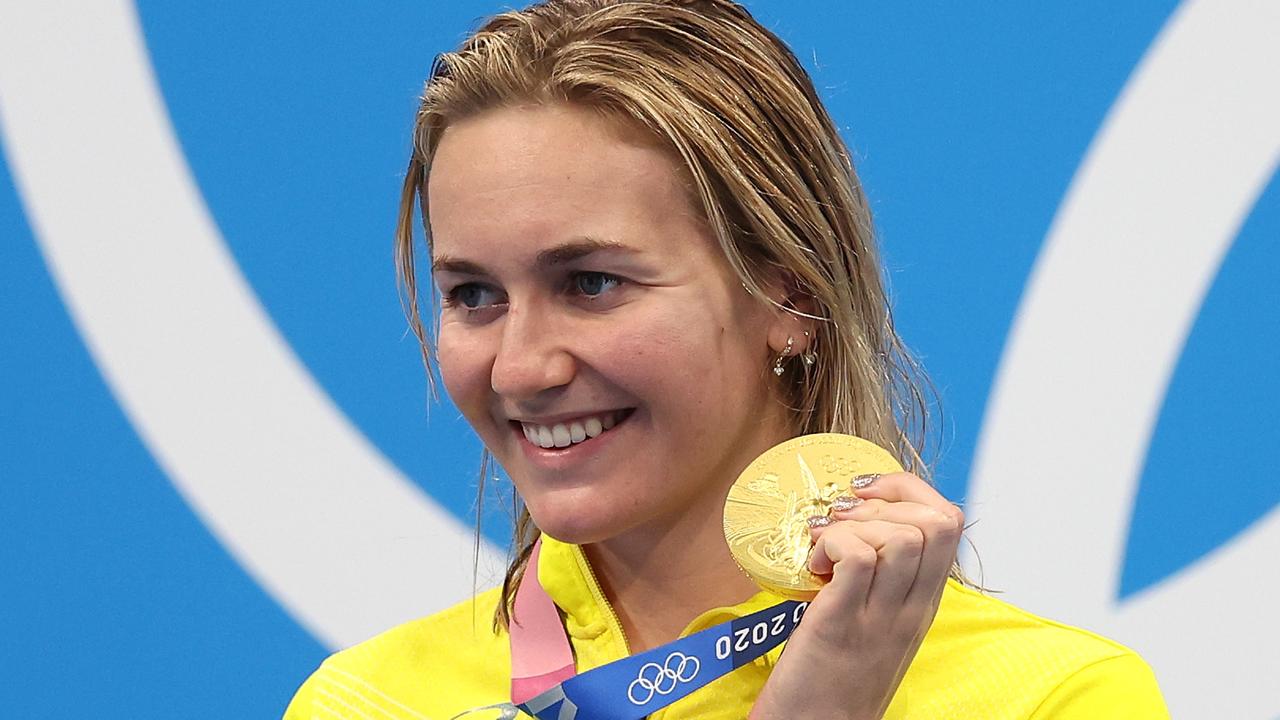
(793,311)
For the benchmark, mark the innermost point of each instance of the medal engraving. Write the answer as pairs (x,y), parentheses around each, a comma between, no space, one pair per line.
(767,511)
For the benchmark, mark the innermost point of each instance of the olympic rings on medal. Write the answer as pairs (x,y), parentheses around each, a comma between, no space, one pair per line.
(662,679)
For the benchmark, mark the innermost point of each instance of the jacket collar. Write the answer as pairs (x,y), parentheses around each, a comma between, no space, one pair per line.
(566,575)
(597,636)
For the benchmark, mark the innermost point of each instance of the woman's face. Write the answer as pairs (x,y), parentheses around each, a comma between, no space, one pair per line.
(592,332)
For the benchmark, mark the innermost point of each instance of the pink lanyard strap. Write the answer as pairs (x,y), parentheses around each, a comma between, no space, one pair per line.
(540,654)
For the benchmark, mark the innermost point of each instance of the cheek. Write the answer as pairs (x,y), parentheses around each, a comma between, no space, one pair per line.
(626,361)
(465,370)
(683,364)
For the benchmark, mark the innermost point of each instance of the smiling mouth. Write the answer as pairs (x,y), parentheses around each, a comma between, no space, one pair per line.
(579,430)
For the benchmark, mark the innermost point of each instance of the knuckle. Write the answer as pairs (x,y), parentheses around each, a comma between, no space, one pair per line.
(863,556)
(908,538)
(948,522)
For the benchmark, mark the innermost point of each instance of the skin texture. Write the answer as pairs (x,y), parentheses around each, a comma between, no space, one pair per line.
(676,338)
(579,280)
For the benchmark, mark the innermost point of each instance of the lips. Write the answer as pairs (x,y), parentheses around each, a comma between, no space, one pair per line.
(570,432)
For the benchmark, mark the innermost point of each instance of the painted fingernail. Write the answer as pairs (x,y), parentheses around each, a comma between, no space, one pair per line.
(861,481)
(845,502)
(819,521)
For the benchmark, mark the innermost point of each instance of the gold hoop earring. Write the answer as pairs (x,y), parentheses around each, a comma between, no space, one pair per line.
(786,351)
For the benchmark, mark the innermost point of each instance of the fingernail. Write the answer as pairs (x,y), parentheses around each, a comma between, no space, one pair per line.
(845,502)
(862,481)
(819,521)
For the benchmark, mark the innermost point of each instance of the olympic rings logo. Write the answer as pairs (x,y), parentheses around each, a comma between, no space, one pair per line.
(662,679)
(837,465)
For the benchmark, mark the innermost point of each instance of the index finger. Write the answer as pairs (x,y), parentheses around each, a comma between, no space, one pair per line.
(898,487)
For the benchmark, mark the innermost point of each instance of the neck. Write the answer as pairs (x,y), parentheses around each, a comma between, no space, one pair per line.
(659,579)
(660,576)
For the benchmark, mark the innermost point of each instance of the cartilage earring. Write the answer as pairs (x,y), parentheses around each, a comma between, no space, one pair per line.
(786,351)
(810,355)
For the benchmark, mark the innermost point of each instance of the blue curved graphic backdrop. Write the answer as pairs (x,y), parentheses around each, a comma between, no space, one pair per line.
(968,127)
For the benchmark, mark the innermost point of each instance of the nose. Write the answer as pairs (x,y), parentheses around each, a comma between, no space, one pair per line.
(532,357)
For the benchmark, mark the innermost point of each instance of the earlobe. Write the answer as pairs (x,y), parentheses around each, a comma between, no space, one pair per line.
(794,328)
(782,338)
(804,345)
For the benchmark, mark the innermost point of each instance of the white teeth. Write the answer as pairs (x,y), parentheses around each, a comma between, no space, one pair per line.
(561,435)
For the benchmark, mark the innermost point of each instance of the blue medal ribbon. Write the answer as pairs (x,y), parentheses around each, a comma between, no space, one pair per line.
(633,687)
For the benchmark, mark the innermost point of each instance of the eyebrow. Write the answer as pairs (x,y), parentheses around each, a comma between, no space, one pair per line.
(577,248)
(572,250)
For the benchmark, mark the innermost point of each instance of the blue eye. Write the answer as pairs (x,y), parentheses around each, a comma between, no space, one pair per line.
(592,284)
(472,296)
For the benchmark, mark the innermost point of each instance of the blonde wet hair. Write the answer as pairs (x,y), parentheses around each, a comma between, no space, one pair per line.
(763,162)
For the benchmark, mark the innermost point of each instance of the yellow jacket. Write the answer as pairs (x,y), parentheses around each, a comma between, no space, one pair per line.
(982,658)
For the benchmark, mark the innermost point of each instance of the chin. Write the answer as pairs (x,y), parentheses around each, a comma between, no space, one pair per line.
(579,523)
(577,531)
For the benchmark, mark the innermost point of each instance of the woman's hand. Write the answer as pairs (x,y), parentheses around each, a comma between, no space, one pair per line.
(888,558)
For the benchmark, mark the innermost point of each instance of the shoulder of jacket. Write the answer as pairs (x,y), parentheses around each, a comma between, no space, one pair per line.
(984,657)
(966,611)
(1120,686)
(467,622)
(386,671)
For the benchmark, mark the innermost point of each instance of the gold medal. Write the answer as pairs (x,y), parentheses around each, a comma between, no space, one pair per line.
(766,516)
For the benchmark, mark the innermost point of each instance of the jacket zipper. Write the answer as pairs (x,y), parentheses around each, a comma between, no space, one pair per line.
(598,592)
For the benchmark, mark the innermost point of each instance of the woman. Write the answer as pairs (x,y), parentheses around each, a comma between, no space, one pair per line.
(655,263)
